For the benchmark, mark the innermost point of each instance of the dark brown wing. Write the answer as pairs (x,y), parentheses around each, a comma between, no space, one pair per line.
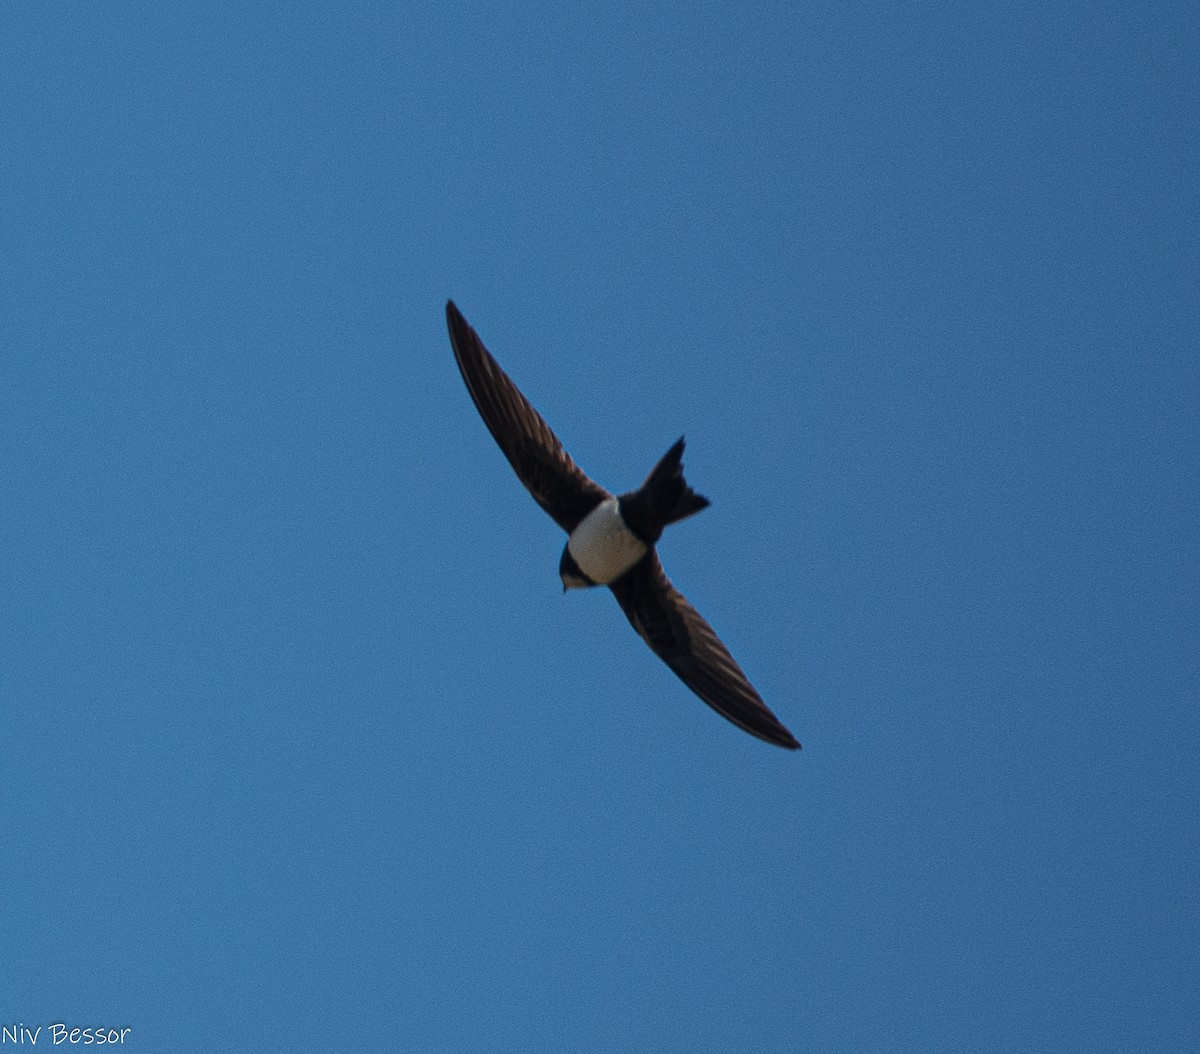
(684,641)
(557,484)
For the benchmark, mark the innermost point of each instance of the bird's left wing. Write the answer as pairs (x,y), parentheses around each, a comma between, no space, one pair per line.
(557,484)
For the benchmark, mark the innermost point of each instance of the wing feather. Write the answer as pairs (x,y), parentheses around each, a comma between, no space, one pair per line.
(679,636)
(557,484)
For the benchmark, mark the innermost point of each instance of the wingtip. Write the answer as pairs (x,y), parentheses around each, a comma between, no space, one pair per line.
(780,737)
(460,329)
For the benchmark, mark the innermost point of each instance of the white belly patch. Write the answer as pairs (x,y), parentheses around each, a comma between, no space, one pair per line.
(602,546)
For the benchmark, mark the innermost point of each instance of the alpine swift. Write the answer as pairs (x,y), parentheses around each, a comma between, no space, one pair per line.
(611,538)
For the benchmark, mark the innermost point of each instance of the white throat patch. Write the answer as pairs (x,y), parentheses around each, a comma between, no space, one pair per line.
(602,546)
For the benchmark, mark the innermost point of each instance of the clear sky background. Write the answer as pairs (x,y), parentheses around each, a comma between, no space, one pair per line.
(303,748)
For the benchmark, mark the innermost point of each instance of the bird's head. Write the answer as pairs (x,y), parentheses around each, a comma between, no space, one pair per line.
(568,571)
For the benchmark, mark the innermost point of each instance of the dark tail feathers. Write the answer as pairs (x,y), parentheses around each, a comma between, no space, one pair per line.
(664,498)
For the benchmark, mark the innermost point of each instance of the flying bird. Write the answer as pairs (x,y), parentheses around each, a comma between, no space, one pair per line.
(612,537)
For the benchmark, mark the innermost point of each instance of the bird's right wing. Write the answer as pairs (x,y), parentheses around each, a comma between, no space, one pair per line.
(679,636)
(557,484)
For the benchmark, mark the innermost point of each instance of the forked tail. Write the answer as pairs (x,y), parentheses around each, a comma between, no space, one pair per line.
(664,498)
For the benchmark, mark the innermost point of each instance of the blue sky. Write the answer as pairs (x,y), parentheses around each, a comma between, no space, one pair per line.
(304,748)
